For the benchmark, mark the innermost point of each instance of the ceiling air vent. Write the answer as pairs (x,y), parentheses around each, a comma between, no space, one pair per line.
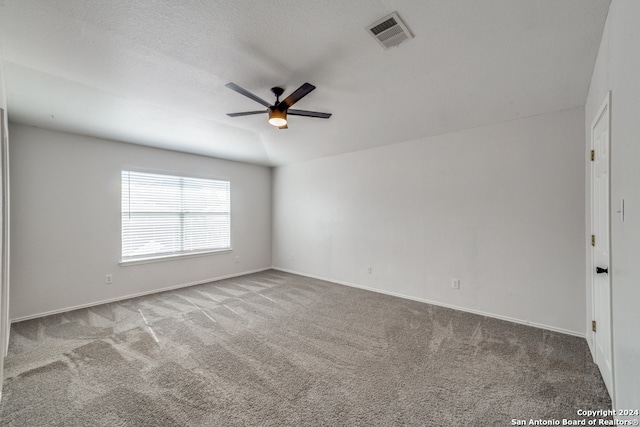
(389,31)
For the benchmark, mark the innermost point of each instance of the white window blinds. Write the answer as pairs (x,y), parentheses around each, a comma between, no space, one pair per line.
(164,215)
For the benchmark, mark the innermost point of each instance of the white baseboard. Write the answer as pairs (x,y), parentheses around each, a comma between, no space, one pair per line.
(141,294)
(339,282)
(441,304)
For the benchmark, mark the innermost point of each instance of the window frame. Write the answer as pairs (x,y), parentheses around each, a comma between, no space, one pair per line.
(151,258)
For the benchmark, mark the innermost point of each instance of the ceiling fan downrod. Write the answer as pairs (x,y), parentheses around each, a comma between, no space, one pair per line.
(277,91)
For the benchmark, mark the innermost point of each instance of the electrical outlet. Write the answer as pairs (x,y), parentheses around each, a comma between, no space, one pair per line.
(108,279)
(455,283)
(237,259)
(370,270)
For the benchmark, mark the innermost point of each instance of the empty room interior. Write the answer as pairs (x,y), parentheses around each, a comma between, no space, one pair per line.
(392,212)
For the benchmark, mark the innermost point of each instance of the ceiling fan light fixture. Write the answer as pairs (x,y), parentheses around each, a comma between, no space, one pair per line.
(277,117)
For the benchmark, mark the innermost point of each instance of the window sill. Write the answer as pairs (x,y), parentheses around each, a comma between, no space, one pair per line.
(136,261)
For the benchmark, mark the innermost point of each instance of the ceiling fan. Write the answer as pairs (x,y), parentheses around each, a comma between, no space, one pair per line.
(278,112)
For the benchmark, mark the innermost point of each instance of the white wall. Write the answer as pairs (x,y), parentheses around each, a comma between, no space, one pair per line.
(618,70)
(499,207)
(65,223)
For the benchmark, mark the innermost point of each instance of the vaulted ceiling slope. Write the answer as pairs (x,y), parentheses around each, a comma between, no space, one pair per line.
(153,72)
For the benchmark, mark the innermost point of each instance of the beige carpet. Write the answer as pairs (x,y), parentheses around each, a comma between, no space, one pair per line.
(276,349)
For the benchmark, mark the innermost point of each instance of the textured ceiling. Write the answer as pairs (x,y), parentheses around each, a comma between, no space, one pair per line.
(153,72)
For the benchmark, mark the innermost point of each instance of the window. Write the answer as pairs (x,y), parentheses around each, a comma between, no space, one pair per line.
(166,215)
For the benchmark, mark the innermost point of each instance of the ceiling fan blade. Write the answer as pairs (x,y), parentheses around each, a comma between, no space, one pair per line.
(297,95)
(248,94)
(246,113)
(308,114)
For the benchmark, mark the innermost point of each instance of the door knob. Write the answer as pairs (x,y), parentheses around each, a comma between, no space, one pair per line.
(601,270)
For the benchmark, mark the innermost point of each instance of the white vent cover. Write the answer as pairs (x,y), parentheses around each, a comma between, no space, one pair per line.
(389,31)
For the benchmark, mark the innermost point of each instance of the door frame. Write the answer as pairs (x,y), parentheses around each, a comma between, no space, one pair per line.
(4,240)
(606,104)
(4,236)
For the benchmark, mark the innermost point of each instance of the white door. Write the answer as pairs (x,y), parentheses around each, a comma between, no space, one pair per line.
(601,284)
